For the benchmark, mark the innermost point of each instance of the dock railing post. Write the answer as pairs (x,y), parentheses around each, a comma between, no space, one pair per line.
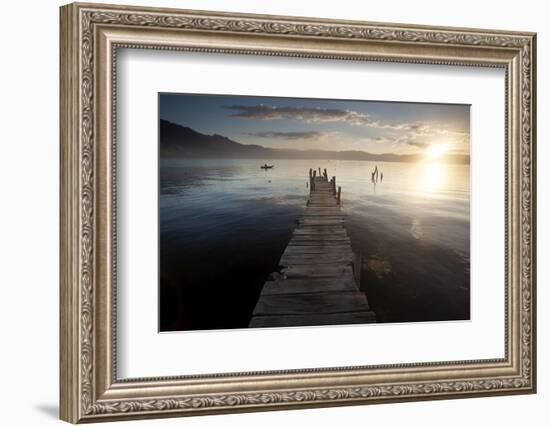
(313,181)
(339,198)
(325,174)
(333,184)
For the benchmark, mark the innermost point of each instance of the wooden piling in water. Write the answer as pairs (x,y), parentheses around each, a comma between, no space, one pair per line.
(339,197)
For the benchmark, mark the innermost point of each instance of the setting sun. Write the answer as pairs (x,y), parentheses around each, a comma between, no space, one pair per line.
(436,151)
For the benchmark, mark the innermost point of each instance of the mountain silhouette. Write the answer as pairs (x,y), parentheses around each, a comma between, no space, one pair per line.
(178,141)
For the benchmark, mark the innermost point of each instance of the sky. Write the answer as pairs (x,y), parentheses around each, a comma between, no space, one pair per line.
(306,123)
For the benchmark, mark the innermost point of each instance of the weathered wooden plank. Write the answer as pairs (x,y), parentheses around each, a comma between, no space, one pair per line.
(289,286)
(327,244)
(302,249)
(319,230)
(334,249)
(315,259)
(311,219)
(287,258)
(324,212)
(312,210)
(328,216)
(322,243)
(319,222)
(313,319)
(323,233)
(319,258)
(319,244)
(321,247)
(339,215)
(329,249)
(308,240)
(309,259)
(312,303)
(305,271)
(307,228)
(321,204)
(333,217)
(319,237)
(343,240)
(320,227)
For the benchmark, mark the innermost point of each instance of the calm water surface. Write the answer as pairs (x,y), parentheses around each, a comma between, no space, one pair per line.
(224,223)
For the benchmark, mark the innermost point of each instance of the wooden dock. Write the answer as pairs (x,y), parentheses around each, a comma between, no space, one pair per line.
(317,284)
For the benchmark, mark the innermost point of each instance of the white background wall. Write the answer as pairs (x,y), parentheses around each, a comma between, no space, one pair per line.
(29,170)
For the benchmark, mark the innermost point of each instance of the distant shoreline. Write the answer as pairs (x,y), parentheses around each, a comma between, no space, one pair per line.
(262,159)
(180,142)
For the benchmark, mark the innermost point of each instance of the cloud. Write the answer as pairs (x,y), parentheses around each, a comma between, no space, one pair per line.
(323,115)
(418,144)
(304,114)
(289,135)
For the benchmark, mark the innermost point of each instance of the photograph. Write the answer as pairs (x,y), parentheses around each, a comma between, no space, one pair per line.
(279,211)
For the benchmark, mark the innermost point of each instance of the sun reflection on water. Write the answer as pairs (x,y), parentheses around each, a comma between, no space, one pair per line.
(433,177)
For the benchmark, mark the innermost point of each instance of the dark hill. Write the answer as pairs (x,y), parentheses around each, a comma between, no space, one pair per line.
(183,142)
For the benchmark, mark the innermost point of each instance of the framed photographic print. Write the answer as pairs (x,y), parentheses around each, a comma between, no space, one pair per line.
(266,212)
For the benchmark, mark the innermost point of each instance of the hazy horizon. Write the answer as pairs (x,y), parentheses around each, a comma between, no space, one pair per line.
(340,154)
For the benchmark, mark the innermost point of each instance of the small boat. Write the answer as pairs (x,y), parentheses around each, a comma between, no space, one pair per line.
(266,166)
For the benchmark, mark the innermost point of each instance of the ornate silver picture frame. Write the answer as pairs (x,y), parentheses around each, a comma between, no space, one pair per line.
(91,35)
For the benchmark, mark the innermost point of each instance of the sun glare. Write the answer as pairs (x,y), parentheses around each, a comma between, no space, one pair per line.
(436,151)
(432,178)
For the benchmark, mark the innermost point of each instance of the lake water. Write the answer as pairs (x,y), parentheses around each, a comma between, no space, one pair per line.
(224,223)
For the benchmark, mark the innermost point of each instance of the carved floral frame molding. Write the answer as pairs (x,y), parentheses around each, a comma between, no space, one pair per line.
(90,37)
